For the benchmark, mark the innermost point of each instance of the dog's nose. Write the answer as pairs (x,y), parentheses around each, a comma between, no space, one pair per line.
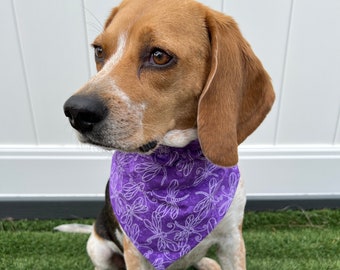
(84,112)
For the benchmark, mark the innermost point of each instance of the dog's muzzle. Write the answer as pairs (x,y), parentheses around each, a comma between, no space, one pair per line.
(84,112)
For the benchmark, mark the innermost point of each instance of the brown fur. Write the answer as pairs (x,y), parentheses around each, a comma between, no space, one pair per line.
(221,71)
(237,96)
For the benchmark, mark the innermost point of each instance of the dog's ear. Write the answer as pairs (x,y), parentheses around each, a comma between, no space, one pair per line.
(238,93)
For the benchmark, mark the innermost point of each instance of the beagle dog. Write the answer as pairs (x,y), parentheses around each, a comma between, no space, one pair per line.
(178,89)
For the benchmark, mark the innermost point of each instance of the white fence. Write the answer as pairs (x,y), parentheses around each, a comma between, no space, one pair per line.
(45,56)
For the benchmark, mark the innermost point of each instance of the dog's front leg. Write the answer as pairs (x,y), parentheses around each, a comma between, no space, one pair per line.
(231,249)
(233,256)
(104,254)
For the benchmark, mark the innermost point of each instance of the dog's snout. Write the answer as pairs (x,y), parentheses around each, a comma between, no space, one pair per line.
(84,112)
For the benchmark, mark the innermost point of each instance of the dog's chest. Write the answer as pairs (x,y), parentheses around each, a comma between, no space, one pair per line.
(169,201)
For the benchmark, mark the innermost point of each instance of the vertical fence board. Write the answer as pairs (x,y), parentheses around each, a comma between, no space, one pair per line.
(17,125)
(265,25)
(54,52)
(311,97)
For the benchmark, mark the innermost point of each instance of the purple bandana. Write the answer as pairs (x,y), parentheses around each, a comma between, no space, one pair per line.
(169,201)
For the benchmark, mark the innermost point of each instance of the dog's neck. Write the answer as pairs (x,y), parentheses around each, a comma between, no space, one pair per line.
(170,200)
(179,137)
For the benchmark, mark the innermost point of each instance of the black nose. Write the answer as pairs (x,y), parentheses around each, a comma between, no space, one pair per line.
(84,112)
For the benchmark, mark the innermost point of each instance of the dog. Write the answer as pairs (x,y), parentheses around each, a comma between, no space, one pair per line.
(178,89)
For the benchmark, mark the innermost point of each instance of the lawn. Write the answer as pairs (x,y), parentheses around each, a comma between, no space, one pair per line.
(275,240)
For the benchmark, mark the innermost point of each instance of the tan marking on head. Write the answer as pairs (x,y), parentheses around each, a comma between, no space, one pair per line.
(151,100)
(212,82)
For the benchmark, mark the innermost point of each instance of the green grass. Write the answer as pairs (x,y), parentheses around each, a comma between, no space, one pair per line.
(274,240)
(293,240)
(34,245)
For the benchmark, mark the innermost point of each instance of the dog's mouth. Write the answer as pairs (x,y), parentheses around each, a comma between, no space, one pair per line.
(145,148)
(148,147)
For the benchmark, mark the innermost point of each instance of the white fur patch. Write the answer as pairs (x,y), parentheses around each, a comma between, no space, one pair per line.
(115,58)
(101,251)
(103,75)
(106,78)
(179,138)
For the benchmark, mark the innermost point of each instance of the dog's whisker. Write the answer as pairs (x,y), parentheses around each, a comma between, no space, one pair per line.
(101,26)
(94,26)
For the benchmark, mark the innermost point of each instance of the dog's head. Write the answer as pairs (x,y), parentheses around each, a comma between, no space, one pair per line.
(168,70)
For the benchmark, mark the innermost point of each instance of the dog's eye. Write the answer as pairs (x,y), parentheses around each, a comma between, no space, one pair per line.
(98,52)
(159,58)
(156,59)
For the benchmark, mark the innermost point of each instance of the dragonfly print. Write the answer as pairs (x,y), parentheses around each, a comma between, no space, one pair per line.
(131,189)
(169,204)
(166,156)
(210,199)
(207,171)
(190,230)
(161,235)
(133,211)
(119,163)
(186,165)
(227,192)
(150,170)
(169,201)
(116,197)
